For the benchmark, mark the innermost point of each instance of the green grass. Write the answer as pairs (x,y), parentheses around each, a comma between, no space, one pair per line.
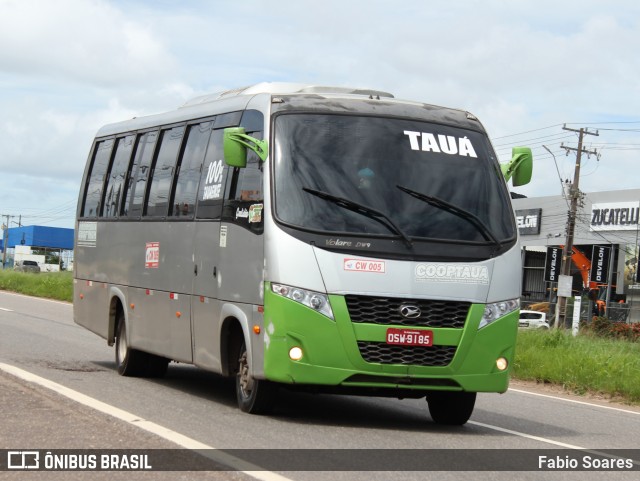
(581,364)
(51,285)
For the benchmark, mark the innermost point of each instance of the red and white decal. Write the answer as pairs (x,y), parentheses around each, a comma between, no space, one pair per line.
(364,265)
(152,256)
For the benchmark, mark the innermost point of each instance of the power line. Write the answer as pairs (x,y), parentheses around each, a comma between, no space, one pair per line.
(528,131)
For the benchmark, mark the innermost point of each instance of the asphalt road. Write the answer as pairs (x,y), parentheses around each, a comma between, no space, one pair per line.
(86,405)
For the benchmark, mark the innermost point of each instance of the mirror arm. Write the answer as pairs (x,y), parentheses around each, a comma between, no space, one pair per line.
(518,158)
(260,147)
(509,168)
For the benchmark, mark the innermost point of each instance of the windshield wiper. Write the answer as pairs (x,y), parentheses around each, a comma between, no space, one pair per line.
(463,214)
(363,210)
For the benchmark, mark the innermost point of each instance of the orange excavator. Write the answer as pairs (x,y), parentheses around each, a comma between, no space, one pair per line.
(583,264)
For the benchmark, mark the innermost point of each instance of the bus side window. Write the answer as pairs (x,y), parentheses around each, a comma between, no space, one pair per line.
(96,178)
(157,204)
(244,196)
(139,173)
(190,165)
(246,185)
(116,178)
(212,179)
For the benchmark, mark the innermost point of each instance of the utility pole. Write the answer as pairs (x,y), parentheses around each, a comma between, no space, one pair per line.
(5,239)
(574,195)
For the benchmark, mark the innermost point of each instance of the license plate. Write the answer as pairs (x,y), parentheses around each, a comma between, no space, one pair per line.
(409,337)
(523,324)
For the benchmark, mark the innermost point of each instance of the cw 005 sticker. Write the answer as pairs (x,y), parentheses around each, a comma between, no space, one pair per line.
(364,265)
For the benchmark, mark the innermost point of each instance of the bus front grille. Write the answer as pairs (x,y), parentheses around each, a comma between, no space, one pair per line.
(382,353)
(388,311)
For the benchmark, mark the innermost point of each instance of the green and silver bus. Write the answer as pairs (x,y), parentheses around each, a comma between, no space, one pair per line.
(305,237)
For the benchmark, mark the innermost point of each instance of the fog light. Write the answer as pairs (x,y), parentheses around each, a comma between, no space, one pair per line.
(295,353)
(502,364)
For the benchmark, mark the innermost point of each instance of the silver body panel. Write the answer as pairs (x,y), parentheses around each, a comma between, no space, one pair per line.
(458,282)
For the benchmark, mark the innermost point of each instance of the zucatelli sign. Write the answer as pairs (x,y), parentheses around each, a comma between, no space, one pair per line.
(615,216)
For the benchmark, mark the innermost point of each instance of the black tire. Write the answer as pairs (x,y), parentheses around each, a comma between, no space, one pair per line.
(134,363)
(451,408)
(255,396)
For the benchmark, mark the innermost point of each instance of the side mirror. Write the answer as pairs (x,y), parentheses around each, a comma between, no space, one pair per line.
(520,167)
(235,144)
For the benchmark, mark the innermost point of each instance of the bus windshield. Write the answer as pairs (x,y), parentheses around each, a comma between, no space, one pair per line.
(375,176)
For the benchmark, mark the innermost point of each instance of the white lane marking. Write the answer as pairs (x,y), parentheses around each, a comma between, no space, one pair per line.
(549,441)
(5,309)
(528,436)
(165,433)
(576,401)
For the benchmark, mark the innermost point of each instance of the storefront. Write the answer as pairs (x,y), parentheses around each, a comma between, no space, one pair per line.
(605,256)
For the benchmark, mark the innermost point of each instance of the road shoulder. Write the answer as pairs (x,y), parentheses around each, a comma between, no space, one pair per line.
(557,390)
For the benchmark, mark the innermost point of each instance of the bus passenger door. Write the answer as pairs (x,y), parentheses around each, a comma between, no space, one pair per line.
(206,254)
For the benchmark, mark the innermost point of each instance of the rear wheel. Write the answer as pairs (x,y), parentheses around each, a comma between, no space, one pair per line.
(255,396)
(131,362)
(451,408)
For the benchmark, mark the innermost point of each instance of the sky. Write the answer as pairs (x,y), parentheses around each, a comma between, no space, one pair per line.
(525,68)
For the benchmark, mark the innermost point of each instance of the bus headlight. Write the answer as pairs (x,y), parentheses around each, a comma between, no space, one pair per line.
(314,300)
(496,310)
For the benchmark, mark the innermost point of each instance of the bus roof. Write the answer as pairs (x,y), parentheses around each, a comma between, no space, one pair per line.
(237,99)
(285,88)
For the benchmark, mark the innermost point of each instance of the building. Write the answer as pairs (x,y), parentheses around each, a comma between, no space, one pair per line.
(22,241)
(606,242)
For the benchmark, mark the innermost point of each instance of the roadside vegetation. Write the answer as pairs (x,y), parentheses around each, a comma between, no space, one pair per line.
(51,285)
(604,359)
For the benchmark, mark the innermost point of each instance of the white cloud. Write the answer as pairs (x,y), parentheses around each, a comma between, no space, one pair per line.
(86,41)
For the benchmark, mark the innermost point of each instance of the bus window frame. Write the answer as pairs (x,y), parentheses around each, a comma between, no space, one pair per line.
(106,182)
(94,153)
(134,176)
(162,130)
(178,168)
(218,122)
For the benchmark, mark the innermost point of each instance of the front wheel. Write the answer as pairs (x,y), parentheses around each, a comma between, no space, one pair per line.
(451,408)
(255,396)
